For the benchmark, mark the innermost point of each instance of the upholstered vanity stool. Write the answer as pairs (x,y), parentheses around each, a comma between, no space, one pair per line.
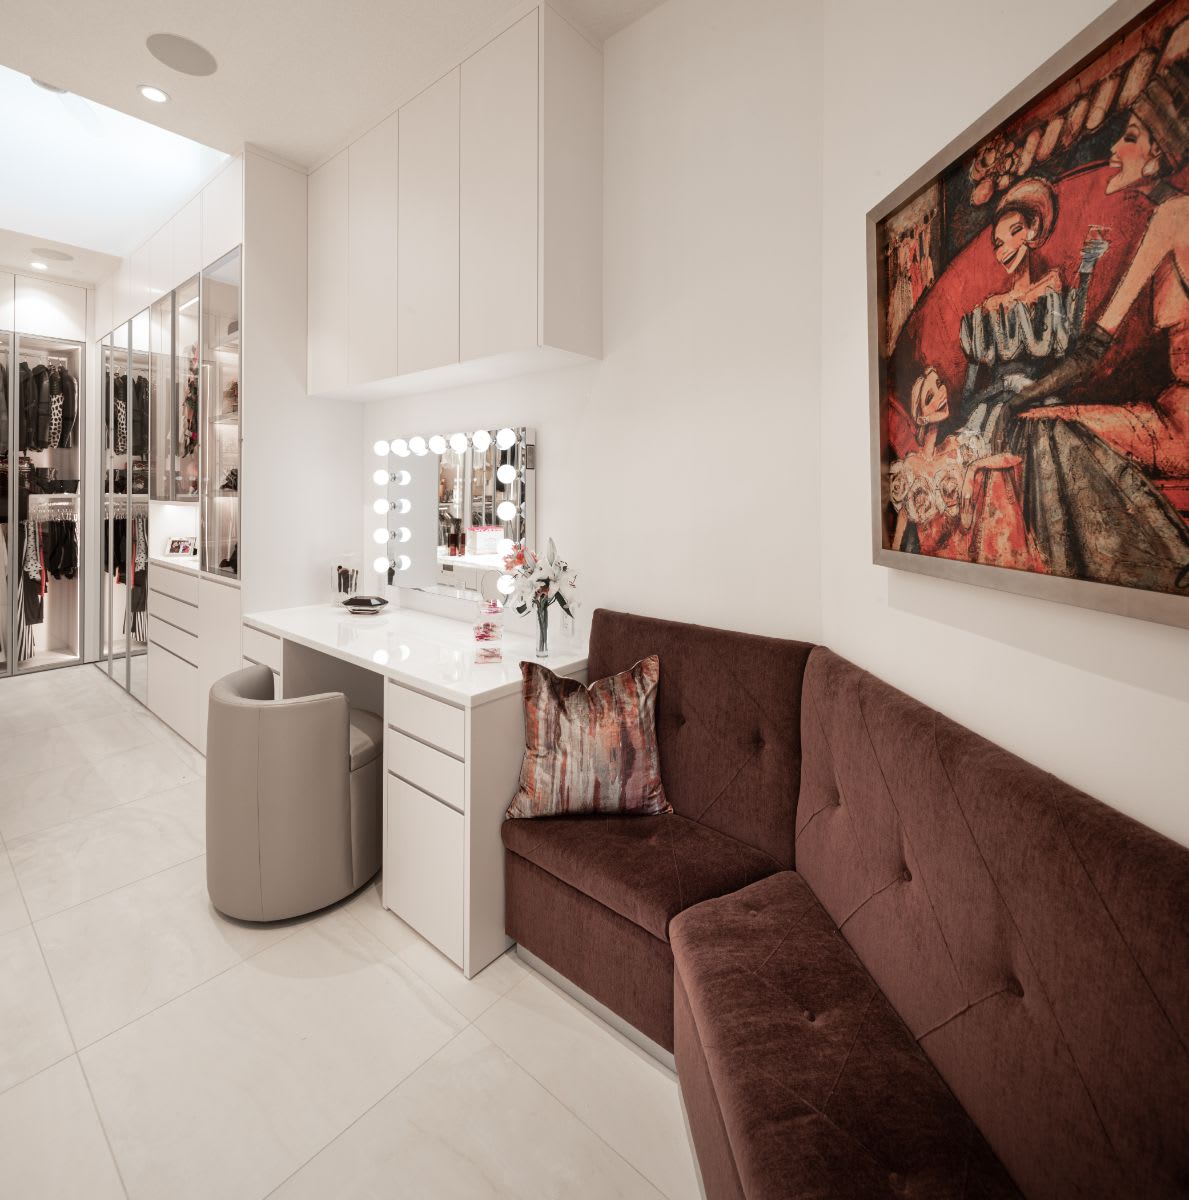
(293,798)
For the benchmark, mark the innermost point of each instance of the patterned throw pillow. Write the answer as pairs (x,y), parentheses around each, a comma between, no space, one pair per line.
(590,749)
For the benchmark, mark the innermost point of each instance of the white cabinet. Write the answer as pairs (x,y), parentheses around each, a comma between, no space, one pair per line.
(138,280)
(498,190)
(173,692)
(7,307)
(187,241)
(328,273)
(223,213)
(161,277)
(427,228)
(122,295)
(219,625)
(371,235)
(50,309)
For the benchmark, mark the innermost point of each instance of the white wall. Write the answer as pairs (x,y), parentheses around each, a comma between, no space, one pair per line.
(1100,700)
(680,473)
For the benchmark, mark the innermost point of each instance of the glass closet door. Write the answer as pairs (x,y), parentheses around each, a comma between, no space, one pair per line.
(7,492)
(46,587)
(186,371)
(220,294)
(136,546)
(116,507)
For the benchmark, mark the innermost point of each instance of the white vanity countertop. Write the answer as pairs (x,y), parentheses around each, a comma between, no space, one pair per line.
(430,653)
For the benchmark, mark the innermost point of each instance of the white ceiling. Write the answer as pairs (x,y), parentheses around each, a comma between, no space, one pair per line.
(18,250)
(299,78)
(78,173)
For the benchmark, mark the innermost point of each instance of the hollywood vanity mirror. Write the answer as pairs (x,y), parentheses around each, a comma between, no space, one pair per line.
(449,506)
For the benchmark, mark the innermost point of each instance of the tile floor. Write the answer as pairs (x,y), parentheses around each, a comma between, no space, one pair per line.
(151,1049)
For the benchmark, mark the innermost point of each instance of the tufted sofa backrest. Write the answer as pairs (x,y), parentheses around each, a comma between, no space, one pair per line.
(1035,941)
(728,721)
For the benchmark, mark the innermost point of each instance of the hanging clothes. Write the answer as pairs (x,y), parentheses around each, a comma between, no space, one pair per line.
(59,541)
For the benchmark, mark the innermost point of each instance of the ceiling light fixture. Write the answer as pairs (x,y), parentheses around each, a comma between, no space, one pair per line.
(38,266)
(49,87)
(181,54)
(155,94)
(53,255)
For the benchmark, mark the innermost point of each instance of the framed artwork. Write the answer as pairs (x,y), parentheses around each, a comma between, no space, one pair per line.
(1029,334)
(181,546)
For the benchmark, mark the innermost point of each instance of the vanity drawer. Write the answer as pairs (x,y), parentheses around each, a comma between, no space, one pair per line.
(181,585)
(173,693)
(428,720)
(262,648)
(176,612)
(424,866)
(425,768)
(176,641)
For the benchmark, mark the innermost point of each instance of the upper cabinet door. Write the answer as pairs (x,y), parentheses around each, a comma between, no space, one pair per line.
(372,206)
(328,276)
(8,314)
(139,295)
(161,280)
(57,310)
(427,228)
(223,212)
(499,194)
(187,243)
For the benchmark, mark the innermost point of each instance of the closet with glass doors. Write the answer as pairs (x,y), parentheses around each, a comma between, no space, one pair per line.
(42,418)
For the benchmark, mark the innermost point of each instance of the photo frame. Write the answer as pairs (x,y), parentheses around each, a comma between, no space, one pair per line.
(1029,395)
(181,547)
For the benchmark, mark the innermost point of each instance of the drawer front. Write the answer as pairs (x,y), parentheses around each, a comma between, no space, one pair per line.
(276,675)
(184,645)
(426,768)
(173,693)
(431,721)
(176,612)
(423,866)
(181,585)
(262,648)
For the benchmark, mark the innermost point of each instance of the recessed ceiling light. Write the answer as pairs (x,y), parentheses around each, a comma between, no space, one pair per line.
(53,255)
(155,94)
(38,266)
(49,87)
(181,54)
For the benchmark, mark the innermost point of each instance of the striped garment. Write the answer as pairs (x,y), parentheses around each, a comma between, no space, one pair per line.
(590,749)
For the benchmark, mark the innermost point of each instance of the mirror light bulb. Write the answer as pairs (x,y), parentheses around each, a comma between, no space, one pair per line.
(402,506)
(506,439)
(380,566)
(403,562)
(480,439)
(380,478)
(507,546)
(505,472)
(400,447)
(506,511)
(437,444)
(417,445)
(403,534)
(380,507)
(505,585)
(380,657)
(381,449)
(402,478)
(380,537)
(458,443)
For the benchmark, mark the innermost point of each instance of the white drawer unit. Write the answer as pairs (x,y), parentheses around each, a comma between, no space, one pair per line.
(177,641)
(173,692)
(177,612)
(428,720)
(180,584)
(426,768)
(262,648)
(425,866)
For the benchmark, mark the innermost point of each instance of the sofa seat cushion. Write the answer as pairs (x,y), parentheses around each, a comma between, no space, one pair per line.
(646,869)
(822,1090)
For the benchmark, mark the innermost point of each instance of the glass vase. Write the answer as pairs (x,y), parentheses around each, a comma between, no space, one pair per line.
(542,630)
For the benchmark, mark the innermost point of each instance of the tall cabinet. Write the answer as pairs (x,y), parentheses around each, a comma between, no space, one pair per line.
(42,430)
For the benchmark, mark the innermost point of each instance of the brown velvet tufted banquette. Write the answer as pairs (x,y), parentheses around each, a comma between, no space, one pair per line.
(973,985)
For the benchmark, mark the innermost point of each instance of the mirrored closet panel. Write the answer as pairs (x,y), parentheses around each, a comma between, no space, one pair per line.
(220,375)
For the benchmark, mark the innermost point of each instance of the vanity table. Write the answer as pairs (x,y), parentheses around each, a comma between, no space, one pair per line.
(453,744)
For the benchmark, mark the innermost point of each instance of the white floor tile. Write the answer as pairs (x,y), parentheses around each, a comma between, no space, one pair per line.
(123,954)
(52,796)
(469,1125)
(26,751)
(625,1096)
(51,1143)
(63,866)
(248,1076)
(101,737)
(33,1034)
(13,914)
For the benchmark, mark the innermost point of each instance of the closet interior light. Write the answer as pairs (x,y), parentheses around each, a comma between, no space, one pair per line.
(381,449)
(505,472)
(480,439)
(381,478)
(506,511)
(381,507)
(505,439)
(155,94)
(437,444)
(381,536)
(401,478)
(417,445)
(380,566)
(400,447)
(458,443)
(39,266)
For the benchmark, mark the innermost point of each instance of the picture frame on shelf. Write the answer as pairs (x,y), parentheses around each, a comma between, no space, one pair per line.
(181,547)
